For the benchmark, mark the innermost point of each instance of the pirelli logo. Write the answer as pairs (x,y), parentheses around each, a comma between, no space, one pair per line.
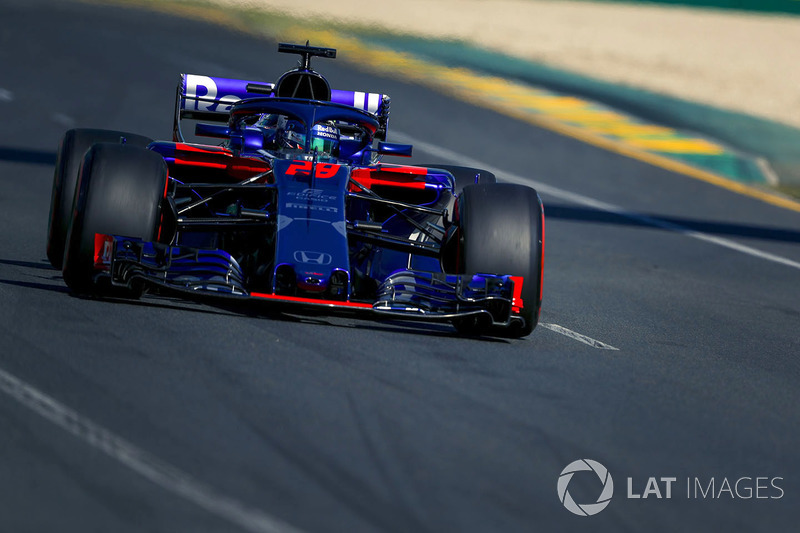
(312,207)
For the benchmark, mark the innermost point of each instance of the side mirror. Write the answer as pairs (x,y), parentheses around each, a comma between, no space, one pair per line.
(212,130)
(403,150)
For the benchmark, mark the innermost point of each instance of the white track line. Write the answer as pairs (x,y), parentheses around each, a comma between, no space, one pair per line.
(594,343)
(141,462)
(6,95)
(591,202)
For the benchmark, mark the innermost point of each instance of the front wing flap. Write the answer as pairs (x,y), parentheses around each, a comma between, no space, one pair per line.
(406,294)
(446,296)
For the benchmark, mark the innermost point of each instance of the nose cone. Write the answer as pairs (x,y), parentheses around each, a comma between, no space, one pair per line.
(311,283)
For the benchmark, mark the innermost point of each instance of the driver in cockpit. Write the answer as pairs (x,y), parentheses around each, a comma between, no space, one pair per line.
(282,134)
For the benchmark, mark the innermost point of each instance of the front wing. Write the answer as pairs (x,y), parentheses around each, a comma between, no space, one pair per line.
(406,294)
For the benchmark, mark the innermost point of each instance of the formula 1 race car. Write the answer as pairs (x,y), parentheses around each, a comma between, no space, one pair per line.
(295,208)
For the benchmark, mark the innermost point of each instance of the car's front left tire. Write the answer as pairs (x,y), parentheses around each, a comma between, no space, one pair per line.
(501,231)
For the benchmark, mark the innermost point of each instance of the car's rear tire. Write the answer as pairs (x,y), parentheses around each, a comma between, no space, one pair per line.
(73,146)
(119,192)
(501,231)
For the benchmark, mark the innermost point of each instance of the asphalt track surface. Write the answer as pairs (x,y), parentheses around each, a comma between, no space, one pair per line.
(163,415)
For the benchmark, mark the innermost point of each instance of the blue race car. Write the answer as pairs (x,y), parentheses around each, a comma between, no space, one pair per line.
(294,208)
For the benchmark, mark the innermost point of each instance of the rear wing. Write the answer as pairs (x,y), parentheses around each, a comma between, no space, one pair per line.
(210,99)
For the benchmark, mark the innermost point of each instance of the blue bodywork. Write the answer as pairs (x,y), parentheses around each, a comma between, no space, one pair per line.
(252,219)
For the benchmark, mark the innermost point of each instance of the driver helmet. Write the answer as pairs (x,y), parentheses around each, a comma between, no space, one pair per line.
(325,139)
(269,126)
(290,135)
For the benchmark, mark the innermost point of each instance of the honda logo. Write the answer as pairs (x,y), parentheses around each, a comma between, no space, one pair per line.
(312,258)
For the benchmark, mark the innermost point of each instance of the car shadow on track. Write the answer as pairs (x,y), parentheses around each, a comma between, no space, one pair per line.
(352,321)
(57,285)
(33,285)
(588,214)
(54,285)
(408,328)
(25,155)
(42,265)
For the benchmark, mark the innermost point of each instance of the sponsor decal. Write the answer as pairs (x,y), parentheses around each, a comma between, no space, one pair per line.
(316,195)
(312,207)
(205,87)
(312,258)
(327,132)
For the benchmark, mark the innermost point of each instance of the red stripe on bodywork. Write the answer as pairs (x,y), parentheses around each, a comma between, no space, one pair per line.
(368,177)
(200,163)
(541,264)
(161,218)
(202,149)
(102,251)
(221,159)
(516,299)
(297,299)
(403,169)
(246,165)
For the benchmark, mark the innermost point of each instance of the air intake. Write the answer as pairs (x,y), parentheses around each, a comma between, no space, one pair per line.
(303,84)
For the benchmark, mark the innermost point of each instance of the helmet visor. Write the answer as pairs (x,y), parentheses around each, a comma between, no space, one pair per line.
(323,146)
(324,139)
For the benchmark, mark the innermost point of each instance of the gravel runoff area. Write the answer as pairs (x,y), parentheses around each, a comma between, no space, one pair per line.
(733,60)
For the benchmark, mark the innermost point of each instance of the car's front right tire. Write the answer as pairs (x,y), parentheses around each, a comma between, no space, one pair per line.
(120,191)
(71,150)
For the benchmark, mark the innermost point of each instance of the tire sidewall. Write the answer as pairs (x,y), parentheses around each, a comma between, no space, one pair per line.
(119,192)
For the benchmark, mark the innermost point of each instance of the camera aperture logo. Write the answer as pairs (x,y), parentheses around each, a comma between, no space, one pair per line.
(585,509)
